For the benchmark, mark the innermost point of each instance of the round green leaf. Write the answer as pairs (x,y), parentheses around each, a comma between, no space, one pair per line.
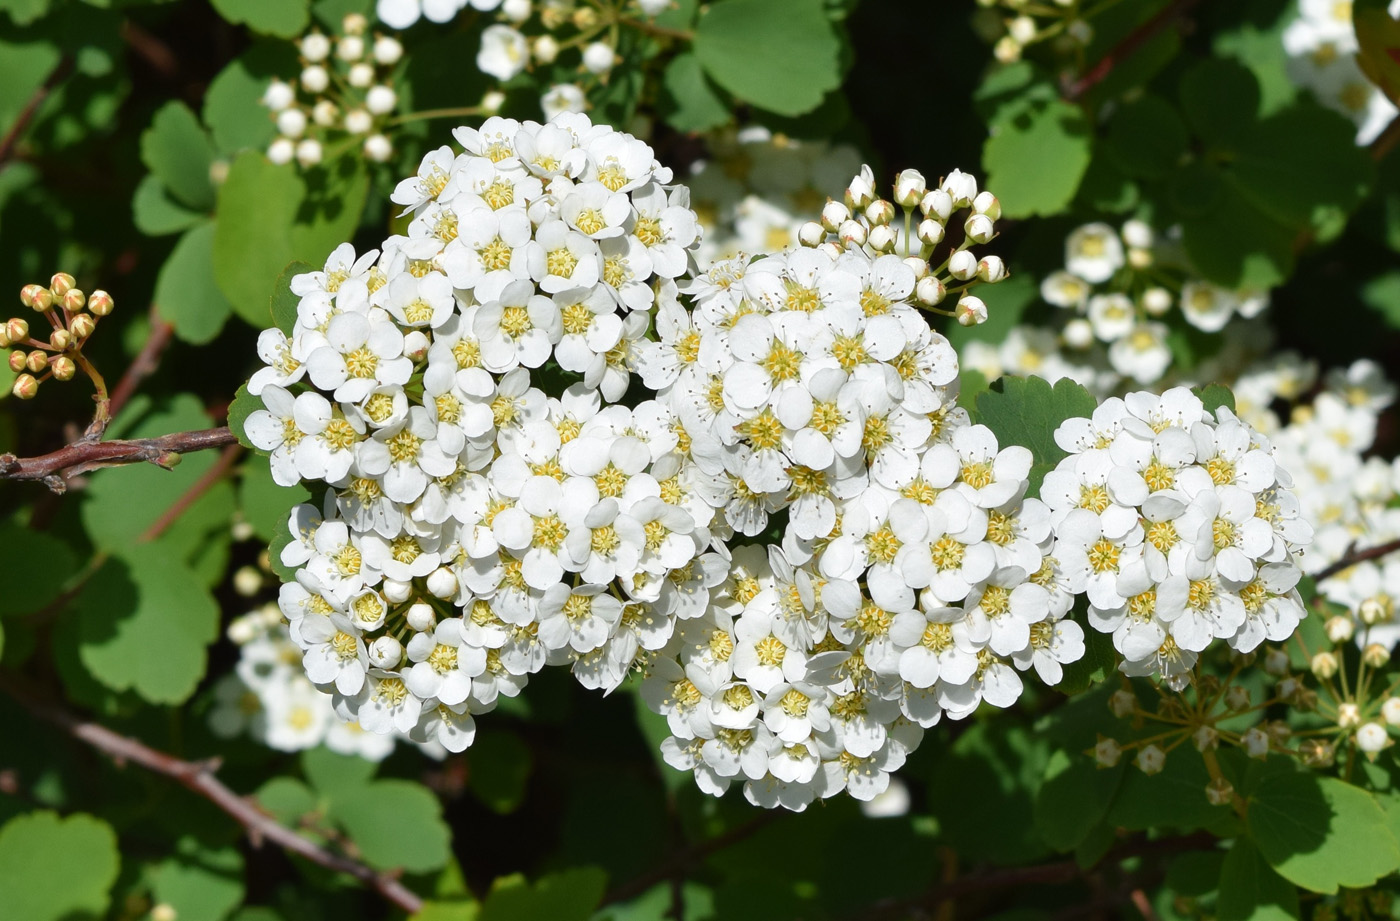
(396,824)
(1146,138)
(1250,890)
(200,883)
(176,149)
(156,213)
(1036,158)
(283,18)
(231,106)
(53,868)
(185,291)
(780,55)
(690,103)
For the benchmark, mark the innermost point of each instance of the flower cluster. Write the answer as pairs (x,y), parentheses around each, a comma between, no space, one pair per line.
(268,697)
(345,91)
(1180,527)
(72,316)
(1321,48)
(1013,25)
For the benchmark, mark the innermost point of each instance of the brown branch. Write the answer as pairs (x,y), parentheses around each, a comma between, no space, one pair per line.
(1354,556)
(198,488)
(145,362)
(199,777)
(1126,48)
(56,467)
(31,108)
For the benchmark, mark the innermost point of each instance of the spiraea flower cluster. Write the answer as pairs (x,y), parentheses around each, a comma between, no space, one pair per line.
(56,353)
(1180,527)
(344,91)
(1321,47)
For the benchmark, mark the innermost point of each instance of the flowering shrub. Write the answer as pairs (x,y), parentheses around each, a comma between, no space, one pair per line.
(646,481)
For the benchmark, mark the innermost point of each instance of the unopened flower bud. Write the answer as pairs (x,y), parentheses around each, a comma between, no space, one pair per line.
(852,233)
(517,11)
(61,284)
(82,326)
(1371,738)
(415,345)
(315,47)
(1348,714)
(63,368)
(961,187)
(1122,703)
(584,18)
(241,631)
(1390,711)
(918,266)
(1276,662)
(492,101)
(361,75)
(879,212)
(1375,655)
(350,48)
(1324,665)
(16,361)
(354,24)
(1107,752)
(325,113)
(37,361)
(247,581)
(358,121)
(1279,732)
(25,387)
(962,265)
(29,292)
(378,148)
(380,100)
(281,151)
(385,652)
(17,329)
(1080,31)
(387,50)
(971,311)
(991,269)
(1219,791)
(937,204)
(988,204)
(1206,738)
(241,530)
(979,228)
(1256,743)
(1007,50)
(909,188)
(164,911)
(929,291)
(442,583)
(545,49)
(309,152)
(397,592)
(291,123)
(421,617)
(279,95)
(1372,611)
(883,238)
(1150,760)
(930,232)
(1022,28)
(598,58)
(1078,333)
(41,300)
(1339,629)
(315,79)
(811,234)
(834,214)
(1139,258)
(60,339)
(1137,234)
(859,193)
(100,303)
(1237,698)
(74,300)
(1317,753)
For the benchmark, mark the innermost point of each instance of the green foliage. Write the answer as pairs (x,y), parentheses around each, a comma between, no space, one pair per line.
(1250,890)
(567,896)
(1026,411)
(1036,156)
(178,153)
(185,291)
(734,44)
(54,868)
(284,18)
(200,883)
(500,767)
(690,102)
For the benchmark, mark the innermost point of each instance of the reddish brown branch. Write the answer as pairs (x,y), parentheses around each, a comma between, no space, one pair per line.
(198,488)
(1354,556)
(1127,47)
(56,467)
(145,362)
(199,777)
(31,108)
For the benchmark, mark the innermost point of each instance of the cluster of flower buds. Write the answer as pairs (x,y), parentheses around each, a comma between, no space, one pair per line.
(943,264)
(72,314)
(1012,25)
(344,90)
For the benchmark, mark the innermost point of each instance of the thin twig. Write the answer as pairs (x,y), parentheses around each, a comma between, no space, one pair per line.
(56,467)
(1354,556)
(31,108)
(199,777)
(651,28)
(198,488)
(1126,48)
(144,364)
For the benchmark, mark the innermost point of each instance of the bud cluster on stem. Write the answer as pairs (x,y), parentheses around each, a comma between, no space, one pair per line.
(72,315)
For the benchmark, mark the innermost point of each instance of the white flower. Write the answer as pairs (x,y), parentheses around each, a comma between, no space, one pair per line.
(561,98)
(504,52)
(1094,252)
(444,664)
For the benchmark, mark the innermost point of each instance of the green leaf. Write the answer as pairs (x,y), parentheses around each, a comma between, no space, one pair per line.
(144,624)
(48,563)
(200,883)
(570,895)
(185,291)
(1214,396)
(335,775)
(23,12)
(286,798)
(780,55)
(156,213)
(244,405)
(282,18)
(1000,767)
(500,767)
(232,110)
(53,869)
(269,216)
(453,910)
(23,69)
(1026,411)
(1250,890)
(1236,246)
(1220,98)
(395,824)
(1073,798)
(284,302)
(1382,294)
(1036,157)
(1094,667)
(1146,138)
(176,149)
(264,504)
(689,102)
(1173,798)
(1321,833)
